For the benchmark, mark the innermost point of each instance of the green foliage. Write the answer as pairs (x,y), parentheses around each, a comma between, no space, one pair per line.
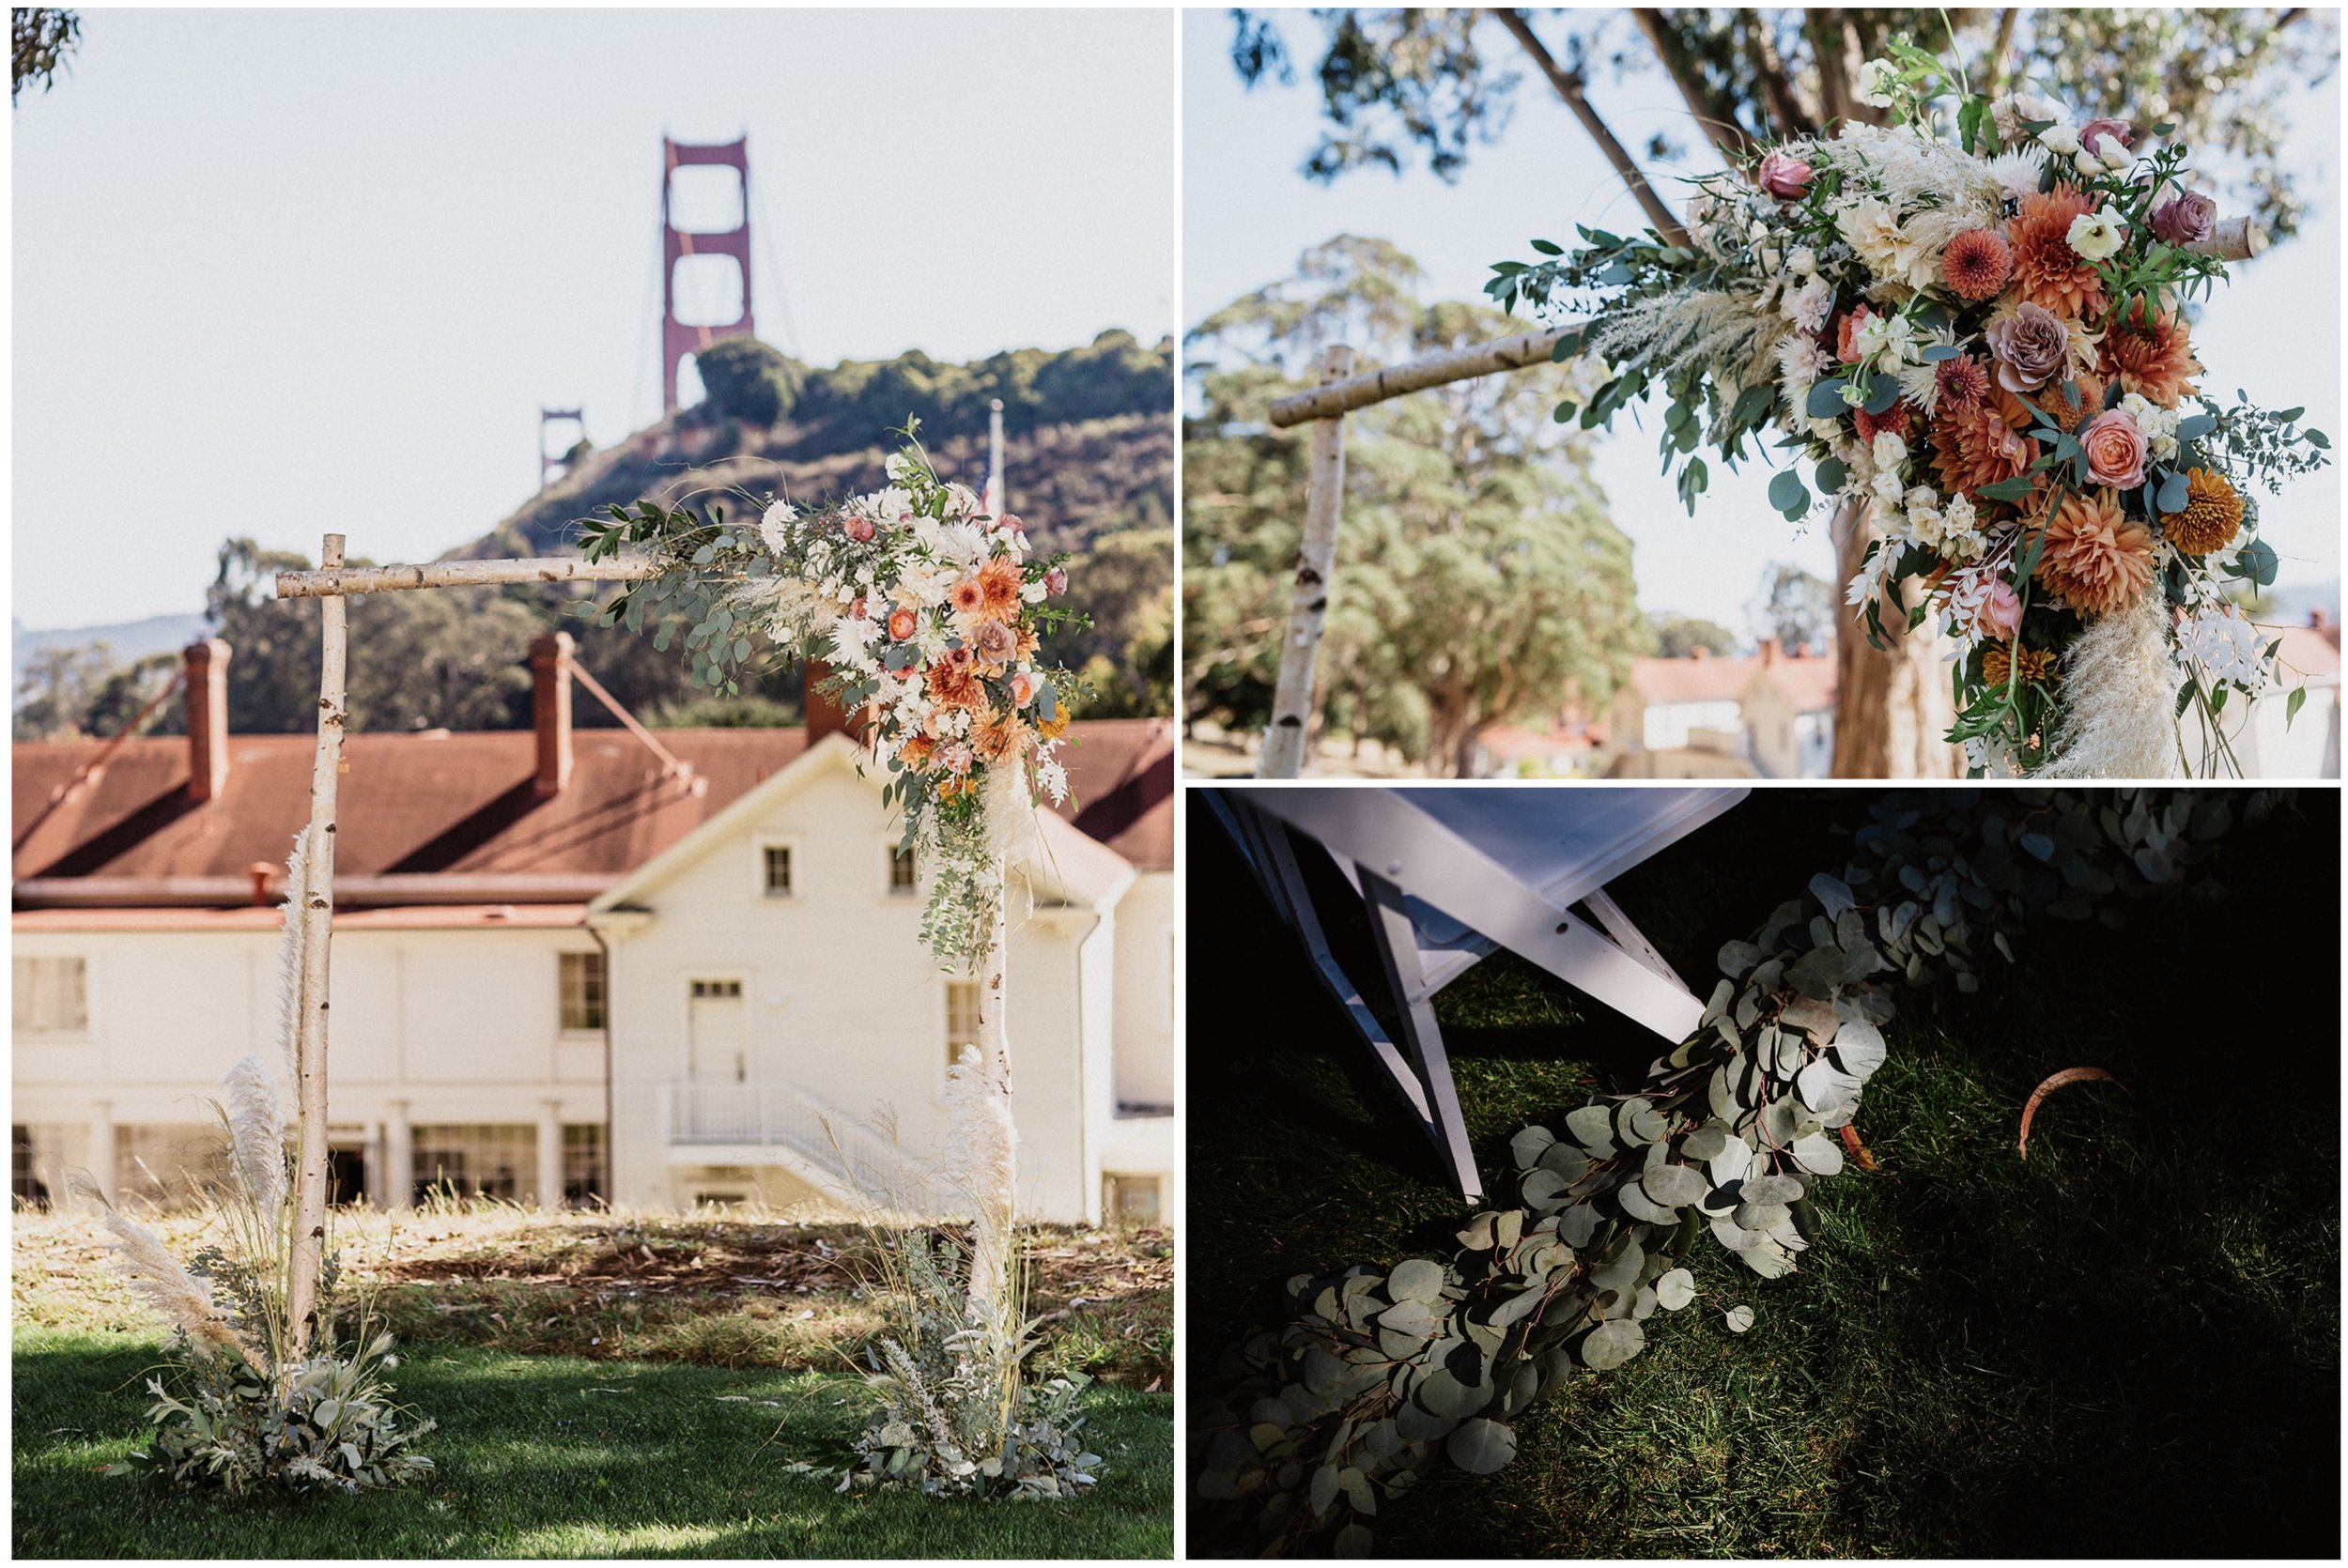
(1478,577)
(335,1427)
(747,379)
(1373,1369)
(1795,606)
(1397,84)
(1113,375)
(1677,636)
(54,694)
(39,39)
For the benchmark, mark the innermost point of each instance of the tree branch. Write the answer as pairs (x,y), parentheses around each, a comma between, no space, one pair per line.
(1711,109)
(1997,53)
(1777,84)
(1569,88)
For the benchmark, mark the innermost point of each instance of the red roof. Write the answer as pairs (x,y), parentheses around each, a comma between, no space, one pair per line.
(1807,681)
(454,817)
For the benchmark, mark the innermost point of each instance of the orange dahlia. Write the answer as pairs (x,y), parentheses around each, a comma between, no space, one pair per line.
(969,598)
(2097,559)
(1000,579)
(2151,354)
(996,736)
(1895,419)
(1972,445)
(2059,407)
(2211,515)
(1976,265)
(2050,273)
(1962,380)
(953,680)
(2037,665)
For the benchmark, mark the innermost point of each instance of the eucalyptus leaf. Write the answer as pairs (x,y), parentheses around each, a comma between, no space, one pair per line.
(1738,1319)
(1481,1447)
(1675,1289)
(1418,1279)
(1612,1343)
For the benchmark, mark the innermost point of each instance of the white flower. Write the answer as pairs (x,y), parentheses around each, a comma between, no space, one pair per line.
(1960,516)
(2113,153)
(2096,234)
(1878,84)
(1034,593)
(774,528)
(1808,306)
(1888,491)
(899,467)
(2060,139)
(1868,582)
(2223,642)
(1889,451)
(1826,429)
(2015,171)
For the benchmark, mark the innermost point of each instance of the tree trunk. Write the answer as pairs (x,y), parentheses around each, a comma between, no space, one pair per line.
(308,1251)
(1891,705)
(1569,86)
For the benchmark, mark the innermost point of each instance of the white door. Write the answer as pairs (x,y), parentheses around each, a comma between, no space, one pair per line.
(717,1033)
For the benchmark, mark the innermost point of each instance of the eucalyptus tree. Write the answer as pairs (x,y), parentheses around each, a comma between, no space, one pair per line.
(1479,578)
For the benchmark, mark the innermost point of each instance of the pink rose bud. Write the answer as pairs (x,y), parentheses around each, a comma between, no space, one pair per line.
(1055,580)
(1783,176)
(2001,612)
(1010,524)
(2115,450)
(857,527)
(2186,220)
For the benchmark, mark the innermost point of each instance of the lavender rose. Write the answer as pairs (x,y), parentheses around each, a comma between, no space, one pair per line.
(2186,221)
(1783,176)
(2031,347)
(2114,445)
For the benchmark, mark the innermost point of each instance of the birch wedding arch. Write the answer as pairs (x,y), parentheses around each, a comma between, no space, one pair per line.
(928,613)
(1985,341)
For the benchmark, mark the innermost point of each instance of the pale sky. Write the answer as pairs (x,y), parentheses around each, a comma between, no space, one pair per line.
(1248,214)
(290,271)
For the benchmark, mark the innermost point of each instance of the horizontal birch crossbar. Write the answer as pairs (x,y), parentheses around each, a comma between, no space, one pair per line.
(1433,370)
(458,574)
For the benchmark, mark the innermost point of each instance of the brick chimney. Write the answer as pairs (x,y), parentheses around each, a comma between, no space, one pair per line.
(208,718)
(551,710)
(823,715)
(1768,650)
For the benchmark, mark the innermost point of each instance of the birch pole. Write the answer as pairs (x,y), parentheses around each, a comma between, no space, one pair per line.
(1308,605)
(994,1177)
(317,915)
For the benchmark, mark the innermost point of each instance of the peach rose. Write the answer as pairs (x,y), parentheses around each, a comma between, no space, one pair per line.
(1022,689)
(2001,612)
(900,623)
(1846,334)
(2115,450)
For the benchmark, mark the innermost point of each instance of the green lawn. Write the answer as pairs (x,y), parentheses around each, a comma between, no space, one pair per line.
(557,1456)
(2127,1345)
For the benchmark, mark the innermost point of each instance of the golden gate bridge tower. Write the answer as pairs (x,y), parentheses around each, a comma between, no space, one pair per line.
(679,338)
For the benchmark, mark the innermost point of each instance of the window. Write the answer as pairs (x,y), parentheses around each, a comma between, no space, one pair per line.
(583,991)
(901,871)
(582,1164)
(962,1017)
(716,991)
(778,870)
(50,995)
(496,1161)
(25,1183)
(169,1166)
(1130,1200)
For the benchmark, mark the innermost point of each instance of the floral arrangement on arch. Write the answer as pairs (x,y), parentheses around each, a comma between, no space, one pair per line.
(928,612)
(1987,339)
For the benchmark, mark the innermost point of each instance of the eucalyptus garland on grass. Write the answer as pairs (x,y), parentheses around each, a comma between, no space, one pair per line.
(1381,1372)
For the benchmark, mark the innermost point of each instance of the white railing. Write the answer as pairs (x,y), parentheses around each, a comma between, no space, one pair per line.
(777,1115)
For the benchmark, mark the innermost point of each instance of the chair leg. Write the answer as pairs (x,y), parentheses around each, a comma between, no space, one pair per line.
(1398,952)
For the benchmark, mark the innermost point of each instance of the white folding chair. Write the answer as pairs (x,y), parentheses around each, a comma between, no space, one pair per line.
(1449,875)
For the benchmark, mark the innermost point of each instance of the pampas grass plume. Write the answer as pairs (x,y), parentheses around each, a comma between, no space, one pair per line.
(256,1133)
(2118,718)
(184,1301)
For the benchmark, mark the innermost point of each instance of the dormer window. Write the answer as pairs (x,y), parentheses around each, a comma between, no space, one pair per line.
(777,872)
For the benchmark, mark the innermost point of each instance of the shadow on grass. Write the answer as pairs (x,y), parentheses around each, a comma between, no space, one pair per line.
(2125,1346)
(549,1456)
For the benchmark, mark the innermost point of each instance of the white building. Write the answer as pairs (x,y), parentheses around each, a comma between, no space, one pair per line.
(1768,716)
(567,968)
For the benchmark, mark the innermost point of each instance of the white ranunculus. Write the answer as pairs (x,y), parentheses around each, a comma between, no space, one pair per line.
(2060,139)
(1803,260)
(1878,84)
(1889,449)
(774,528)
(2097,235)
(2113,154)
